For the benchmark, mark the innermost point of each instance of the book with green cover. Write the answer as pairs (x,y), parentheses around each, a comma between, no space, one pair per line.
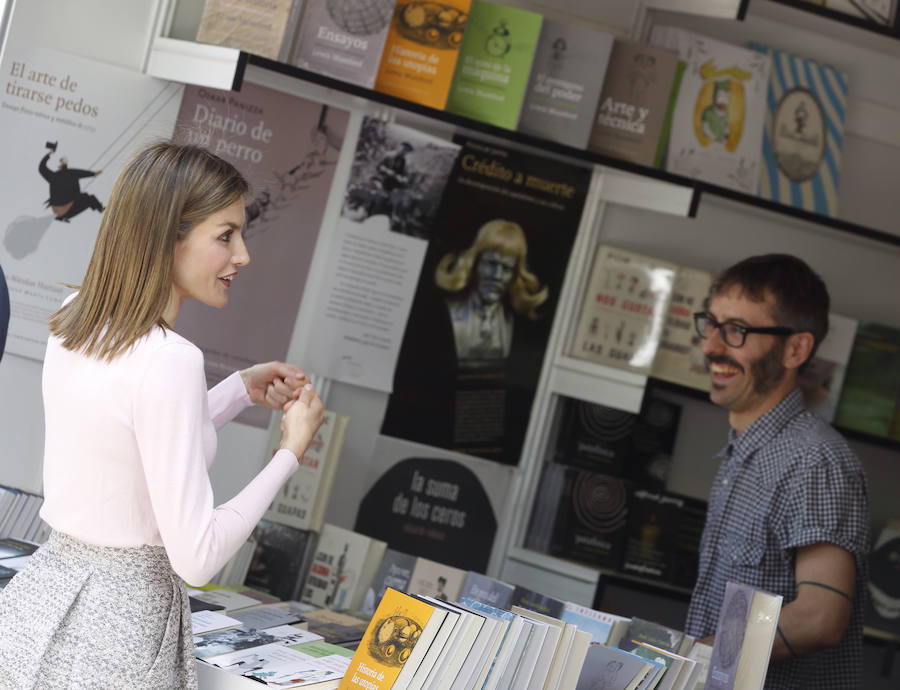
(494,64)
(872,383)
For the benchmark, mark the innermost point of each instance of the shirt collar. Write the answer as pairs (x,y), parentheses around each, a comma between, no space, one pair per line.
(742,446)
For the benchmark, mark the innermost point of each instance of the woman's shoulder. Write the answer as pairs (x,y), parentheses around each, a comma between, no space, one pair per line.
(166,344)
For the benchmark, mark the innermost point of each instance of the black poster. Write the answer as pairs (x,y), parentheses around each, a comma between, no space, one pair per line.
(433,508)
(484,305)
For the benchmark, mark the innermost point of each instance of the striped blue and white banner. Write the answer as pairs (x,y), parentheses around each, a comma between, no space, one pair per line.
(818,193)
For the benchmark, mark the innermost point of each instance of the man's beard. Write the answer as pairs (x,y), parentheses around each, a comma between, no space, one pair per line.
(767,371)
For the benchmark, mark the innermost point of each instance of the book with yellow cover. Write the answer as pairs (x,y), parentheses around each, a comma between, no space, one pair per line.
(398,636)
(421,49)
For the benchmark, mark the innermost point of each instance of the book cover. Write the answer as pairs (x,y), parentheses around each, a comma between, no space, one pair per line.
(823,378)
(685,556)
(717,125)
(567,73)
(633,105)
(651,533)
(868,400)
(759,635)
(342,568)
(301,501)
(286,147)
(261,28)
(507,626)
(280,558)
(535,601)
(679,357)
(745,632)
(494,64)
(590,521)
(640,630)
(421,50)
(395,571)
(282,665)
(343,38)
(443,582)
(635,446)
(486,589)
(623,311)
(612,668)
(400,626)
(268,616)
(804,132)
(597,623)
(440,647)
(733,617)
(335,627)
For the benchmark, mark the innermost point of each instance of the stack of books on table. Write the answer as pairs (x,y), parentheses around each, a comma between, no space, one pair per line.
(423,643)
(243,635)
(14,554)
(19,515)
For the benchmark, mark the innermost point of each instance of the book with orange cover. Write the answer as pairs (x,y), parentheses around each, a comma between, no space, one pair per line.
(421,49)
(395,642)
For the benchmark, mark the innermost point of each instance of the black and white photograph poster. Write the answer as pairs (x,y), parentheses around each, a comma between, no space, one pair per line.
(472,351)
(392,199)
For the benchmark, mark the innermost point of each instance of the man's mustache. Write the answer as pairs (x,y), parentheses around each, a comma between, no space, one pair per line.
(723,359)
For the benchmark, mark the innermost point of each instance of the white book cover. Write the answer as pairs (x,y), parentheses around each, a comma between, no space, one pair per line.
(822,379)
(336,578)
(544,666)
(441,581)
(74,123)
(295,504)
(717,125)
(520,663)
(486,643)
(597,623)
(623,310)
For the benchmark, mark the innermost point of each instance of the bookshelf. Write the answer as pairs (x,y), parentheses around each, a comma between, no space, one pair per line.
(226,68)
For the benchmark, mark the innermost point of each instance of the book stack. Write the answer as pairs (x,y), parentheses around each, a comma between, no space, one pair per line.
(255,637)
(14,554)
(19,515)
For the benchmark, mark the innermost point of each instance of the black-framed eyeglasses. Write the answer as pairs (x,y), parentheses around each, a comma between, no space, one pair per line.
(733,334)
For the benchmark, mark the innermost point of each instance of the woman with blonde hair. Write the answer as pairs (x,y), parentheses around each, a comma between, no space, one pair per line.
(130,433)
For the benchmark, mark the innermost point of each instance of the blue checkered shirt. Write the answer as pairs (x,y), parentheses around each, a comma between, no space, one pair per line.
(789,480)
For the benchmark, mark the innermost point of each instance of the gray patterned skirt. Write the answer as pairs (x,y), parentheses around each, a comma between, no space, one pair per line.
(84,616)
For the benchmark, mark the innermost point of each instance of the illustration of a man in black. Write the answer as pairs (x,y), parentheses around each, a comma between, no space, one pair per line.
(66,198)
(390,175)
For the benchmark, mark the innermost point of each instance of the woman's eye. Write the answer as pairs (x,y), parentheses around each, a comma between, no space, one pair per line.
(225,237)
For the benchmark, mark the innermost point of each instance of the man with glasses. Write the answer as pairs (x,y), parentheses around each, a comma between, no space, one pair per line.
(788,510)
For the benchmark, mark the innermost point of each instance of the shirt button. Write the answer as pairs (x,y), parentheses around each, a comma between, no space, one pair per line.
(724,481)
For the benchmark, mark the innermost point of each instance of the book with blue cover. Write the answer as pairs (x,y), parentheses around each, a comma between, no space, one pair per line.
(804,132)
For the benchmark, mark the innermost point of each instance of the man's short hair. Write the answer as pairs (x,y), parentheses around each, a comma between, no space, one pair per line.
(801,298)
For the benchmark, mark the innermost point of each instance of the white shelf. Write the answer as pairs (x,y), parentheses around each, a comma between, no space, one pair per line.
(193,63)
(599,384)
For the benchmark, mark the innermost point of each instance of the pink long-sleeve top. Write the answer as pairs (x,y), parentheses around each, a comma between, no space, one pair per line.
(128,445)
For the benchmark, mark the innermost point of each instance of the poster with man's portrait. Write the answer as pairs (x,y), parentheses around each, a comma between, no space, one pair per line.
(484,305)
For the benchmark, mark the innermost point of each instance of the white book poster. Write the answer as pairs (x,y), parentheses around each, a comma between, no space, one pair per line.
(717,125)
(396,183)
(72,124)
(823,378)
(624,310)
(293,504)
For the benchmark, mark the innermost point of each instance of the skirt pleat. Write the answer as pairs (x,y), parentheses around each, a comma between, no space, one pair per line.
(85,616)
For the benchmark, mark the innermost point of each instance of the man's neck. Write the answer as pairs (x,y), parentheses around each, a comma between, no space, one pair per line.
(741,420)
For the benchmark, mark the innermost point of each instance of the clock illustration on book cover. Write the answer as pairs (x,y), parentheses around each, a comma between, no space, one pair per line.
(497,44)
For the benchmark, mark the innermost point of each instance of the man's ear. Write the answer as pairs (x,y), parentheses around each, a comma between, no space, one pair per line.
(797,349)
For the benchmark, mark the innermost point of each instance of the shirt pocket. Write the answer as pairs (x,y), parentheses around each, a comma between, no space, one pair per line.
(742,558)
